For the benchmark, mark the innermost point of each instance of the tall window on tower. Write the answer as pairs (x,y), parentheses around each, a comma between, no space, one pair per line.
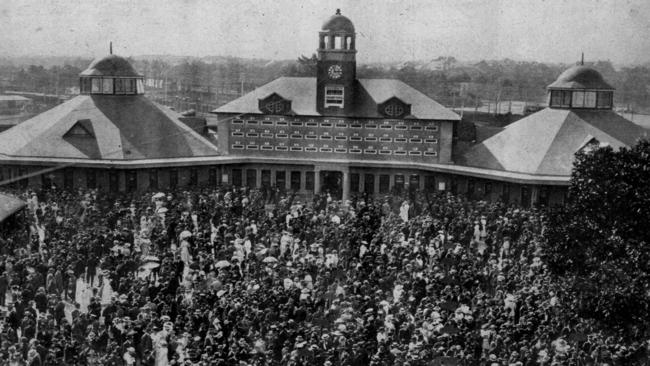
(334,96)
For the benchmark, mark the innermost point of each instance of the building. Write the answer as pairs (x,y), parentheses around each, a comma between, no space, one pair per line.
(332,133)
(109,137)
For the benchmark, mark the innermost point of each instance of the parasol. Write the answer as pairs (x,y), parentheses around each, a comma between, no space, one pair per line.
(222,264)
(269,259)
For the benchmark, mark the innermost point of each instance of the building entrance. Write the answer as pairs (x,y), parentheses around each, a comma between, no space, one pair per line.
(332,183)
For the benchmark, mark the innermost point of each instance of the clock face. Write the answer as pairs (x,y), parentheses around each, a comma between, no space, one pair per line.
(335,71)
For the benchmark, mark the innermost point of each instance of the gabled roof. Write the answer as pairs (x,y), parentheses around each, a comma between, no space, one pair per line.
(122,127)
(545,142)
(301,91)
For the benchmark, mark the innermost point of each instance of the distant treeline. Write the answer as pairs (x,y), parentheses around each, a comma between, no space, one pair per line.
(451,82)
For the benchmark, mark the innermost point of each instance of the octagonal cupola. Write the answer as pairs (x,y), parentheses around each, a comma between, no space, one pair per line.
(111,75)
(580,87)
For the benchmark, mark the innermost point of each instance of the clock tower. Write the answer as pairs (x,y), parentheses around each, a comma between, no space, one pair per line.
(337,67)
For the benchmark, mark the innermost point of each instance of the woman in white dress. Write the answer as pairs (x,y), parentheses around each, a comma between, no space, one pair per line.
(161,353)
(185,252)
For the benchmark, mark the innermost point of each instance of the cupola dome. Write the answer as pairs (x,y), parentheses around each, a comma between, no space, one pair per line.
(111,75)
(581,87)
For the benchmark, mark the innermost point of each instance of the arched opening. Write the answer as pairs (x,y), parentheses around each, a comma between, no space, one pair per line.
(348,43)
(338,42)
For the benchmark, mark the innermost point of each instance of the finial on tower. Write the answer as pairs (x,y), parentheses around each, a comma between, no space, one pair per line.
(338,11)
(582,59)
(110,47)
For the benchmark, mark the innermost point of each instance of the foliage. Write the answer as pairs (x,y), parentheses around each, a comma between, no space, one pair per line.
(598,244)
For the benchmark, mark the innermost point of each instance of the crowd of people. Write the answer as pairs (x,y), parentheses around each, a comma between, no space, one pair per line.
(227,277)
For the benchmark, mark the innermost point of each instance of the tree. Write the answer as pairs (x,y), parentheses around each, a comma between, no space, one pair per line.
(598,244)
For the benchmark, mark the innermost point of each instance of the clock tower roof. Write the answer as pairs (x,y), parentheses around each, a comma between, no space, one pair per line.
(338,23)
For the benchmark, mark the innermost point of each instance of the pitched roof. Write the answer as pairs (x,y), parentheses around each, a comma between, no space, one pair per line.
(120,127)
(545,142)
(301,91)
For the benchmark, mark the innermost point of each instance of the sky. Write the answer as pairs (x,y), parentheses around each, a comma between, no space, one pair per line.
(387,30)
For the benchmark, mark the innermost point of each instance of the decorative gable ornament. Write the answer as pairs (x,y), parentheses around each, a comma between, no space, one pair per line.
(274,104)
(394,108)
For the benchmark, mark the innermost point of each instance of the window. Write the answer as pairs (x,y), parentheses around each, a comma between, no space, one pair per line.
(431,141)
(295,181)
(394,110)
(400,139)
(371,139)
(560,98)
(355,151)
(309,181)
(78,130)
(384,152)
(238,134)
(399,152)
(310,124)
(251,178)
(252,147)
(370,151)
(371,126)
(296,148)
(153,179)
(311,149)
(416,141)
(85,85)
(604,99)
(173,178)
(281,135)
(341,125)
(590,99)
(96,85)
(340,150)
(578,99)
(385,139)
(281,123)
(267,123)
(296,136)
(325,137)
(237,122)
(281,148)
(430,153)
(326,125)
(107,86)
(415,153)
(431,128)
(399,181)
(334,96)
(212,176)
(280,179)
(194,177)
(238,147)
(355,125)
(266,178)
(251,122)
(386,127)
(384,183)
(266,147)
(252,134)
(237,177)
(355,138)
(311,137)
(341,138)
(354,182)
(326,149)
(416,128)
(401,127)
(267,135)
(296,124)
(91,178)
